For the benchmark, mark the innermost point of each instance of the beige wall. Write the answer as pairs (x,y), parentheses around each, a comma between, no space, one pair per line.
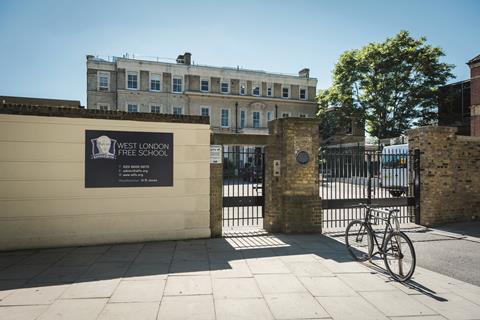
(43,201)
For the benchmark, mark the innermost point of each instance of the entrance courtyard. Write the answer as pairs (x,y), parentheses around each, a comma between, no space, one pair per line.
(243,276)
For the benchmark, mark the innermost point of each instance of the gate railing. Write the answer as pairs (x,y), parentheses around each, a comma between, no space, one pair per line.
(243,185)
(352,176)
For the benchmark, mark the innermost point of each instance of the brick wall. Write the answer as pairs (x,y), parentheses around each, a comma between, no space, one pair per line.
(449,174)
(292,203)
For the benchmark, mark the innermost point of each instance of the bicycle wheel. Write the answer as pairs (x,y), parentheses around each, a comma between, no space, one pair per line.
(399,256)
(359,240)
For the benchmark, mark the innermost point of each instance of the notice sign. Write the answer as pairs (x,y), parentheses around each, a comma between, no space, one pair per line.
(128,159)
(215,154)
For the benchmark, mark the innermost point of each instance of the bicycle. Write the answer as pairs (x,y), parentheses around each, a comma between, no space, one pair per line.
(396,248)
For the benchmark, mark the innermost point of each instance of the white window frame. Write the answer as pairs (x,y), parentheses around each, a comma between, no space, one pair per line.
(150,81)
(100,105)
(181,108)
(228,86)
(208,84)
(138,79)
(289,91)
(205,107)
(156,105)
(299,93)
(259,119)
(99,74)
(270,86)
(289,114)
(132,104)
(255,85)
(272,117)
(244,84)
(221,117)
(183,83)
(246,118)
(303,115)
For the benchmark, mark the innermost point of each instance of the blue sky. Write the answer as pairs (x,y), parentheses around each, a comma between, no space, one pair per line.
(44,43)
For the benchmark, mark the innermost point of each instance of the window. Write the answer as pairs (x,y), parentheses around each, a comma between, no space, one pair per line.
(256,89)
(132,108)
(303,115)
(104,107)
(285,92)
(104,81)
(269,115)
(177,110)
(204,85)
(285,114)
(243,88)
(177,84)
(132,80)
(243,118)
(270,90)
(256,119)
(155,109)
(303,94)
(225,122)
(224,87)
(155,82)
(205,111)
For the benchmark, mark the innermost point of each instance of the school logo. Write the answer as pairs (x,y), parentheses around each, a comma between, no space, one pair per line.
(103,148)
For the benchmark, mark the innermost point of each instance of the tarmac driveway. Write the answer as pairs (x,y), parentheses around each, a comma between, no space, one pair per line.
(246,276)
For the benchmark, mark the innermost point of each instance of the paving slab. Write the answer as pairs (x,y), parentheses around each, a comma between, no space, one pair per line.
(235,288)
(279,283)
(187,307)
(327,287)
(21,312)
(154,271)
(75,309)
(308,268)
(242,309)
(267,265)
(230,269)
(59,275)
(188,285)
(190,268)
(139,291)
(397,304)
(451,306)
(350,308)
(22,271)
(34,295)
(91,289)
(366,282)
(295,306)
(129,311)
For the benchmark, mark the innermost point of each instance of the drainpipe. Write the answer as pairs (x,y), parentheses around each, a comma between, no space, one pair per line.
(276,111)
(236,116)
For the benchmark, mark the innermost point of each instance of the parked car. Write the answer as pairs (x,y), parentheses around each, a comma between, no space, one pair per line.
(394,169)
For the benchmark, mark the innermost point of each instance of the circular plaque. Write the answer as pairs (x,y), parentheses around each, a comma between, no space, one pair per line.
(303,157)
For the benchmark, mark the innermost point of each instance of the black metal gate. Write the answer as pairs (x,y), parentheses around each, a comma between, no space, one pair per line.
(352,176)
(243,186)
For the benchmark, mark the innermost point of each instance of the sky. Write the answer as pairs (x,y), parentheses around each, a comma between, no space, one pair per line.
(44,43)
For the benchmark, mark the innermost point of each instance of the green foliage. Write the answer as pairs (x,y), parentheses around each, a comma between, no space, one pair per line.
(391,86)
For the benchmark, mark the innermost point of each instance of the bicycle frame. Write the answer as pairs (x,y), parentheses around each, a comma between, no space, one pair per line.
(388,227)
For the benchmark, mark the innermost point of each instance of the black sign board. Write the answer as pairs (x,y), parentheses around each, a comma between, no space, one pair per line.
(128,159)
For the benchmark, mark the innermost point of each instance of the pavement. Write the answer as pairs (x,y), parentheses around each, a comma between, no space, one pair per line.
(248,275)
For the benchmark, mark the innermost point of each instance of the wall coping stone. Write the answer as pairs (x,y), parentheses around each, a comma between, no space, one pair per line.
(444,129)
(44,111)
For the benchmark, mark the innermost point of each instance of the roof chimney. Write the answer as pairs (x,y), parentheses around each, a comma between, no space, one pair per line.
(185,58)
(304,73)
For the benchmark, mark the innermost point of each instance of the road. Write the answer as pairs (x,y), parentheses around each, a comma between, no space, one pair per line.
(453,250)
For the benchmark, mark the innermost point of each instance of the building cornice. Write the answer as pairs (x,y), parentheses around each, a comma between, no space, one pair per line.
(241,97)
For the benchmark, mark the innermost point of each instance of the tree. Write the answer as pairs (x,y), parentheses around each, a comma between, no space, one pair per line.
(391,86)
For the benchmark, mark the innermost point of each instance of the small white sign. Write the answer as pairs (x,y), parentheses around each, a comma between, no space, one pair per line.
(215,154)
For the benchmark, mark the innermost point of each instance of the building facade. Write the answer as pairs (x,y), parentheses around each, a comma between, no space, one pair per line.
(235,99)
(474,65)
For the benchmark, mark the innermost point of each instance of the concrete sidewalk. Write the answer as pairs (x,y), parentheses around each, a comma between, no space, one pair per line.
(251,276)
